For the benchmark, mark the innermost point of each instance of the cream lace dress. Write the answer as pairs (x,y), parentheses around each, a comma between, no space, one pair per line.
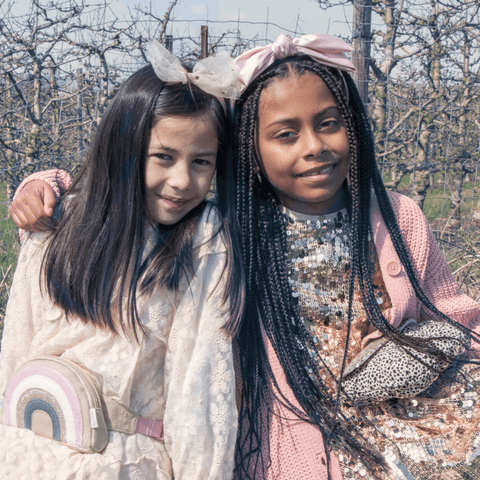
(182,372)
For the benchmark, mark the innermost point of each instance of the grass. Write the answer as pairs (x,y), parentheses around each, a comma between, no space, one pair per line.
(9,247)
(437,201)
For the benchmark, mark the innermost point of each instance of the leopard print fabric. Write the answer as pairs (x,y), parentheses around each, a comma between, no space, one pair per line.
(386,370)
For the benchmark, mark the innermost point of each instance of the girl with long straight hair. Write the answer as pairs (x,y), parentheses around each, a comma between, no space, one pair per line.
(132,287)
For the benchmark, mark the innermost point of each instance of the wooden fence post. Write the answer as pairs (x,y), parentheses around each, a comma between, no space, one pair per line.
(362,38)
(80,112)
(204,42)
(169,42)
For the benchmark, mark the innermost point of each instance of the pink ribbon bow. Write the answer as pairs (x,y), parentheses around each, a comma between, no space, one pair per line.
(324,49)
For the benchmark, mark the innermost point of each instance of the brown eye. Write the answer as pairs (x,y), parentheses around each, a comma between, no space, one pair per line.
(285,135)
(329,123)
(163,156)
(202,161)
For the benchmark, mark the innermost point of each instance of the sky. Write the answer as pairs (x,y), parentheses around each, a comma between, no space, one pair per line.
(257,22)
(292,17)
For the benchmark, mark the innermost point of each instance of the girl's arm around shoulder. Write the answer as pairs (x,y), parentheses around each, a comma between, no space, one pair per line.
(201,416)
(35,199)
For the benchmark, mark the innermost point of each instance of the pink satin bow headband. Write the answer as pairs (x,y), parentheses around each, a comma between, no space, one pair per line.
(323,49)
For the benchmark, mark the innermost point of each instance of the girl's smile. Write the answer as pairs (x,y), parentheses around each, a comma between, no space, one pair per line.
(318,171)
(302,143)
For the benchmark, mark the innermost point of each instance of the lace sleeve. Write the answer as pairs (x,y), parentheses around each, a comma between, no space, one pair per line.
(25,311)
(201,416)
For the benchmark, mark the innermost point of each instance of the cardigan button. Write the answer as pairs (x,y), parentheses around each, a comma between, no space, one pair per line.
(393,269)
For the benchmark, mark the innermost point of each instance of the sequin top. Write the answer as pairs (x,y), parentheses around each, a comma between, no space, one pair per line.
(418,436)
(319,273)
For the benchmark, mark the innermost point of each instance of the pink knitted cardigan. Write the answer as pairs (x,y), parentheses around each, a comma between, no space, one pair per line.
(296,447)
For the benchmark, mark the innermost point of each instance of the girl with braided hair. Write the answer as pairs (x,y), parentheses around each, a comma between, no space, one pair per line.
(332,263)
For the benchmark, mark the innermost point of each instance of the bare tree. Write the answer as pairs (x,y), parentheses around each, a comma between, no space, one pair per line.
(43,49)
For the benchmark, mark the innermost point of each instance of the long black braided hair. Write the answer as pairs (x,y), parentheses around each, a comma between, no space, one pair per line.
(269,303)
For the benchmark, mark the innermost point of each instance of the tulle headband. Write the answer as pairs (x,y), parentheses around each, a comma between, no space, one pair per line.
(323,49)
(216,75)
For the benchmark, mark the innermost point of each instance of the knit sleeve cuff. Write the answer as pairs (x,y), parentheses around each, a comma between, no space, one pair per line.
(59,180)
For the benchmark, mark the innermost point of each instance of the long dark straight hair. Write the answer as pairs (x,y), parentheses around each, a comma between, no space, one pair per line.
(94,264)
(269,303)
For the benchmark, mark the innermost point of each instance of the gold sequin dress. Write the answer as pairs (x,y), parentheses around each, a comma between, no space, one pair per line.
(435,435)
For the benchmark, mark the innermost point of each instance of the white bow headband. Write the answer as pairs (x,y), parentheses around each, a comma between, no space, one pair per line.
(216,75)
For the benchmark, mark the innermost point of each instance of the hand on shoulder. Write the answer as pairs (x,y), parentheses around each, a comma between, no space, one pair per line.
(32,207)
